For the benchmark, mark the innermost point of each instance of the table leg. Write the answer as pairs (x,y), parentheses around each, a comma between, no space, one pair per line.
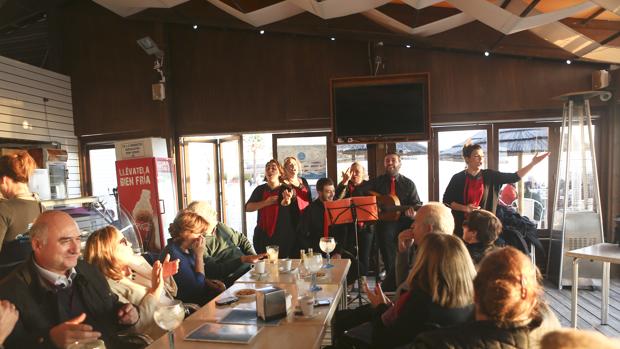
(605,294)
(573,314)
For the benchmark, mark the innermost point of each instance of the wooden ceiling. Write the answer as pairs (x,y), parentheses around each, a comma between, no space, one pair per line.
(586,30)
(591,31)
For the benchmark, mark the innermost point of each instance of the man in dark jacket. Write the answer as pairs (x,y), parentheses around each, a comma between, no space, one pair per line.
(392,183)
(227,253)
(62,300)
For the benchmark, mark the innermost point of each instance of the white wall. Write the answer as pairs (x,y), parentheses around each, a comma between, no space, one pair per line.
(24,115)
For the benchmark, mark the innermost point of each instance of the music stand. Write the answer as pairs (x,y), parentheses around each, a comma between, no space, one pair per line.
(353,210)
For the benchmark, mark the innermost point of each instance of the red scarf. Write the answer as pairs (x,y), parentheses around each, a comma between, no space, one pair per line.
(474,189)
(268,217)
(303,196)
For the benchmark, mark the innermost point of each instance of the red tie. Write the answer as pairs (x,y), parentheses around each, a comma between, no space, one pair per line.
(393,186)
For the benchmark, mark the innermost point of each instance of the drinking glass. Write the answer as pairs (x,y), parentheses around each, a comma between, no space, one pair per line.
(169,317)
(272,253)
(327,245)
(313,264)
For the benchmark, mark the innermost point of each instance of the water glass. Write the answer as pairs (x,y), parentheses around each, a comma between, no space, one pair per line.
(169,317)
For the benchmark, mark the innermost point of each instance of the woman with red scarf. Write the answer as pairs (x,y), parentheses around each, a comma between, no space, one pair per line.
(275,225)
(477,188)
(302,196)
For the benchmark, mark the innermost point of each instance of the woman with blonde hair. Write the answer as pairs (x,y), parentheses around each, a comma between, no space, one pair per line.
(21,207)
(508,307)
(187,246)
(292,177)
(275,222)
(131,277)
(440,294)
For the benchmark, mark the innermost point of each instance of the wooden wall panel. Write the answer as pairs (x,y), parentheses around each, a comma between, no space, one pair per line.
(25,95)
(111,75)
(233,81)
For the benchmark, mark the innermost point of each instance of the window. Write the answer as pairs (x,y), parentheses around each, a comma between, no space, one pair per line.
(450,145)
(414,165)
(516,148)
(103,176)
(310,151)
(257,151)
(346,154)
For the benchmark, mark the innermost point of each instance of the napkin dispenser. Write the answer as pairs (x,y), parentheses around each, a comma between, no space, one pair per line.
(270,303)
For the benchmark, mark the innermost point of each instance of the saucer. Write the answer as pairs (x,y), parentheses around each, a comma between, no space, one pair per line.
(281,270)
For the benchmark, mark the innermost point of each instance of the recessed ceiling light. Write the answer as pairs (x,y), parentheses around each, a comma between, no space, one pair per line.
(262,32)
(408,46)
(568,61)
(195,26)
(332,38)
(487,53)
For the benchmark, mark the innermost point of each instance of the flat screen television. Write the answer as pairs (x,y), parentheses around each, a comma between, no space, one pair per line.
(377,109)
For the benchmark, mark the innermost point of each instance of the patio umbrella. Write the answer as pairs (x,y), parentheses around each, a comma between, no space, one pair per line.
(411,148)
(511,141)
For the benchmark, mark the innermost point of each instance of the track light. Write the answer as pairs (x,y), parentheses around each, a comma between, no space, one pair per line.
(195,26)
(332,38)
(262,32)
(568,61)
(487,53)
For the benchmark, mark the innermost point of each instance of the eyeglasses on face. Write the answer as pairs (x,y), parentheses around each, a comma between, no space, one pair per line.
(124,241)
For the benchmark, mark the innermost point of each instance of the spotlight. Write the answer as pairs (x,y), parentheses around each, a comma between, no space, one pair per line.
(262,32)
(568,61)
(408,46)
(195,26)
(332,38)
(487,54)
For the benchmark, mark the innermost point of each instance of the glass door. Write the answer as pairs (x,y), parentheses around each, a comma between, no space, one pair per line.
(212,170)
(231,185)
(200,170)
(310,149)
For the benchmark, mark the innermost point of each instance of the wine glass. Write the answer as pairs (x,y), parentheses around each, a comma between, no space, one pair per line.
(327,245)
(169,317)
(314,263)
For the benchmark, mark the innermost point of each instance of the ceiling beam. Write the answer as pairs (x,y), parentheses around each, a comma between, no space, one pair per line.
(529,8)
(592,16)
(610,38)
(505,4)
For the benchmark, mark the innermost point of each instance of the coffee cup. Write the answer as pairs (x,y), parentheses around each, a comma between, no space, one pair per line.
(286,264)
(259,267)
(306,303)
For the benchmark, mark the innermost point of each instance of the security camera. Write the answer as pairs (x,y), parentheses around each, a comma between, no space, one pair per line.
(606,96)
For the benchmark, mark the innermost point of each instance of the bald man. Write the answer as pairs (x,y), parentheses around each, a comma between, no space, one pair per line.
(434,217)
(60,298)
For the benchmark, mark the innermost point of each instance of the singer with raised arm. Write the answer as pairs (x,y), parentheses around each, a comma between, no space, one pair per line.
(477,188)
(274,222)
(354,178)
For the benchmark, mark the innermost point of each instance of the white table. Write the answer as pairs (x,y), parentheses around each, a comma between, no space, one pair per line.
(604,252)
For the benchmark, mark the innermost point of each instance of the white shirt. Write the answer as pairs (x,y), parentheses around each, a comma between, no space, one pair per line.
(57,280)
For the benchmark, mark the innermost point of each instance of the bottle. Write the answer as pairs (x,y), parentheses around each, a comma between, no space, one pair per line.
(143,215)
(302,252)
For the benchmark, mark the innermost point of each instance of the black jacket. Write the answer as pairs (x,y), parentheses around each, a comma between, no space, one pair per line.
(493,180)
(418,314)
(474,335)
(39,310)
(311,225)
